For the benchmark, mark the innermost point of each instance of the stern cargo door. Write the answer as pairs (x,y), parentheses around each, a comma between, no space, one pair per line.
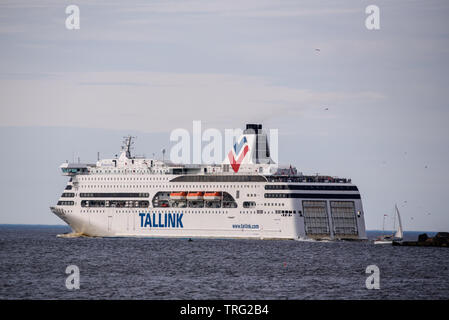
(344,219)
(316,222)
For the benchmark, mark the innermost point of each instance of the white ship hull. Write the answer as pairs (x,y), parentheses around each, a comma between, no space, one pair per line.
(136,197)
(271,218)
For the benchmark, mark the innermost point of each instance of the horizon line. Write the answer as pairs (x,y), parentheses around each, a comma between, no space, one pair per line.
(64,225)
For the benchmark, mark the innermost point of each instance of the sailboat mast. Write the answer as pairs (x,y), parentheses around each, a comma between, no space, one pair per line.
(394,219)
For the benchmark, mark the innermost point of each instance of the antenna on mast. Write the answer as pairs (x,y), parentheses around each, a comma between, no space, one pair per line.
(127,145)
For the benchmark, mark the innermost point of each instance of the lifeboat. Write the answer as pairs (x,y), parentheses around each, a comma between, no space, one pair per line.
(195,196)
(212,196)
(178,195)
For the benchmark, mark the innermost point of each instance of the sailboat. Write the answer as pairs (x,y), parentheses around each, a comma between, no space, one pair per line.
(397,236)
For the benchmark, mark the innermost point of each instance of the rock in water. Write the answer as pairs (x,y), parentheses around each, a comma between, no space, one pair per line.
(422,237)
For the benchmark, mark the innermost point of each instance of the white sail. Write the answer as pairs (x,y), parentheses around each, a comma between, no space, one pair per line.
(399,233)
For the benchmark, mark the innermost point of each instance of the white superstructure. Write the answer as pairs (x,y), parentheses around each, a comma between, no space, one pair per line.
(247,196)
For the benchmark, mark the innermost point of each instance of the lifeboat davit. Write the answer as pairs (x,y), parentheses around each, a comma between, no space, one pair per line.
(195,196)
(178,195)
(212,196)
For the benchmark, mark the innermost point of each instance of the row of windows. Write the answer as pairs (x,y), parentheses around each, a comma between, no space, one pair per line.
(139,211)
(193,204)
(274,204)
(308,187)
(112,186)
(282,212)
(68,187)
(121,179)
(219,178)
(164,199)
(312,195)
(299,179)
(130,171)
(249,204)
(67,195)
(97,205)
(114,195)
(74,170)
(93,186)
(66,203)
(267,187)
(288,211)
(222,178)
(172,186)
(115,204)
(213,186)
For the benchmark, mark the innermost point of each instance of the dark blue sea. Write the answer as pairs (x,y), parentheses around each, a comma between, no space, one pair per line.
(34,260)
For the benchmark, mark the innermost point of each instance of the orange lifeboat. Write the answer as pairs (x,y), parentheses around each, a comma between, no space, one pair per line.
(178,195)
(212,196)
(195,196)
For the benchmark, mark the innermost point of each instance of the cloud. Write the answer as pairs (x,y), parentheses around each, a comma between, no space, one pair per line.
(155,102)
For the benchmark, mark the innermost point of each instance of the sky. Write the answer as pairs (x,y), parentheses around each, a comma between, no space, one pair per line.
(371,105)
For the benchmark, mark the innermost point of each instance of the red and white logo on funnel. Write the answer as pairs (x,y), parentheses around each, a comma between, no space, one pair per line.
(240,151)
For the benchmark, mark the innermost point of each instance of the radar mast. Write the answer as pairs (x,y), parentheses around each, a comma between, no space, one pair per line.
(127,145)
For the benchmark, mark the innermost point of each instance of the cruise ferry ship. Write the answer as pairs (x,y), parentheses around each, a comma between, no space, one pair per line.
(247,196)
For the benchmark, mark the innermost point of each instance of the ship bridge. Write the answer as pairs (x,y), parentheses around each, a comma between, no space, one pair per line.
(72,169)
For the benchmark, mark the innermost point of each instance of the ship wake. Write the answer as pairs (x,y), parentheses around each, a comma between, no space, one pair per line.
(71,235)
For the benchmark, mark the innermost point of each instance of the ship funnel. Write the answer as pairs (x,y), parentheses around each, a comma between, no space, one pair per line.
(261,150)
(251,148)
(253,128)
